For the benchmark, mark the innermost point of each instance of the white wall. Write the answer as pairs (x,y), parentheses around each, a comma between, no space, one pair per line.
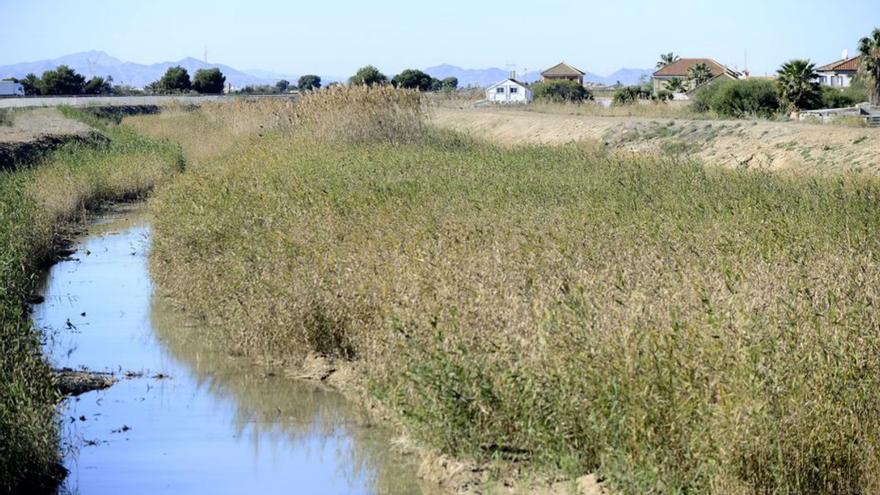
(508,92)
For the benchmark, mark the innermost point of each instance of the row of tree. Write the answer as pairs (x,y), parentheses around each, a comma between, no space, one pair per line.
(176,80)
(64,81)
(407,79)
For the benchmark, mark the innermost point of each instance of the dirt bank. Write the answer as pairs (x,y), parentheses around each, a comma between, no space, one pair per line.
(34,132)
(729,143)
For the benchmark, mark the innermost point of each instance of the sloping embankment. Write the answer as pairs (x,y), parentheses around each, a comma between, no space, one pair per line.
(729,143)
(35,132)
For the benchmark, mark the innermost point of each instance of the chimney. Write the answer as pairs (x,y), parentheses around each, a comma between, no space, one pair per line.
(845,54)
(512,75)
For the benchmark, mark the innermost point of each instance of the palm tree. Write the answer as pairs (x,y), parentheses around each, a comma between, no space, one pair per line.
(699,74)
(797,86)
(676,85)
(666,59)
(869,66)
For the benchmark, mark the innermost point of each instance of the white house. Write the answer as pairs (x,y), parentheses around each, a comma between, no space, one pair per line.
(509,91)
(839,74)
(9,88)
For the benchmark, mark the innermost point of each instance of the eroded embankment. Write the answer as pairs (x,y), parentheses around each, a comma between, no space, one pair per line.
(37,203)
(759,145)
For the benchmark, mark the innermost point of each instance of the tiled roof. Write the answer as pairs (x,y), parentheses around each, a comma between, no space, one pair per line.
(680,68)
(847,64)
(562,70)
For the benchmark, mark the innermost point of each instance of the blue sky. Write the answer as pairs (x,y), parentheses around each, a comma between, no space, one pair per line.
(335,37)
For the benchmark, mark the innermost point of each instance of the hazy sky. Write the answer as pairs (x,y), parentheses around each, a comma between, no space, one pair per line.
(334,37)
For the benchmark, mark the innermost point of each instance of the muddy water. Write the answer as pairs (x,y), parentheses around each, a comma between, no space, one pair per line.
(185,418)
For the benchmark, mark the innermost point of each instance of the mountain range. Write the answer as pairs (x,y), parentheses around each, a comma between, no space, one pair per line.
(98,63)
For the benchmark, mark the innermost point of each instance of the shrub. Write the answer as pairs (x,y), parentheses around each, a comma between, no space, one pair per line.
(628,95)
(843,98)
(561,91)
(740,99)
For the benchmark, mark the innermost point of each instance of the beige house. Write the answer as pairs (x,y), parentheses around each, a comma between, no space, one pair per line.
(563,71)
(679,70)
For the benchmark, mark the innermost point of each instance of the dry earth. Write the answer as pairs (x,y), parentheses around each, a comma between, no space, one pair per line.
(730,143)
(35,131)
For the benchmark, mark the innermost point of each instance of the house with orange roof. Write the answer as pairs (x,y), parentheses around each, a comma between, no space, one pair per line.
(839,74)
(681,67)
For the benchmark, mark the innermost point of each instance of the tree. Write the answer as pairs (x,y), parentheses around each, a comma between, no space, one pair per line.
(699,74)
(309,82)
(282,85)
(413,79)
(797,86)
(175,79)
(98,86)
(666,59)
(561,91)
(676,85)
(450,83)
(62,81)
(738,98)
(368,76)
(869,67)
(32,84)
(209,81)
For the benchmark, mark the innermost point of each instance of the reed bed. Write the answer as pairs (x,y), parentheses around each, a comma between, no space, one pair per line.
(36,203)
(673,327)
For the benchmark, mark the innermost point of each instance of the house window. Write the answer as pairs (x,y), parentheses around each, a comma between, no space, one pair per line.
(499,90)
(513,90)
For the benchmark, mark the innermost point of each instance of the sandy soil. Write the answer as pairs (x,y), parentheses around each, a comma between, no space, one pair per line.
(34,124)
(729,143)
(35,132)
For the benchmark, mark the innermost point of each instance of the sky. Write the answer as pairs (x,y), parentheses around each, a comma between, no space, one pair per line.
(335,37)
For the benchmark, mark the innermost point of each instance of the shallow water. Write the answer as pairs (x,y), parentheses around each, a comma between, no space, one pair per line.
(188,419)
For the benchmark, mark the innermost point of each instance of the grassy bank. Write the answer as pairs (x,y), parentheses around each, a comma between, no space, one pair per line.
(36,203)
(675,328)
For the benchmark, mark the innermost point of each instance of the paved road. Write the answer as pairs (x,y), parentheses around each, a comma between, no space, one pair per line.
(25,102)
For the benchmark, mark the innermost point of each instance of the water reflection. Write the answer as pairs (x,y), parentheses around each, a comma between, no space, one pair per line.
(190,419)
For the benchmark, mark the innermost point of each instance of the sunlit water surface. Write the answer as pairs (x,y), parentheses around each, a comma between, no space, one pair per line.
(189,419)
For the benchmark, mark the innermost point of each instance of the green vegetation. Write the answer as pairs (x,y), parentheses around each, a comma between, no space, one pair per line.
(561,92)
(309,82)
(699,75)
(739,99)
(450,83)
(797,86)
(175,80)
(677,328)
(415,79)
(368,76)
(209,81)
(64,81)
(35,204)
(844,97)
(869,49)
(282,85)
(6,117)
(629,95)
(666,59)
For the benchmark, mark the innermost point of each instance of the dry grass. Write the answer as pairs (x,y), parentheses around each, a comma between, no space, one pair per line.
(669,110)
(35,204)
(676,328)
